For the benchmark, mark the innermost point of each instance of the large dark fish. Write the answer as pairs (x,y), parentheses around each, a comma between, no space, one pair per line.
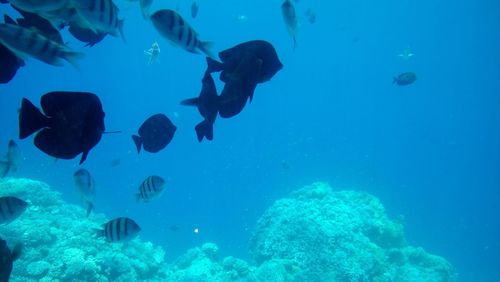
(154,134)
(119,229)
(7,258)
(13,158)
(240,86)
(72,123)
(208,106)
(232,57)
(11,208)
(406,78)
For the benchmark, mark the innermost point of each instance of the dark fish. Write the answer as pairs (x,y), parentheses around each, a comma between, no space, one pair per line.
(290,18)
(85,34)
(85,185)
(119,229)
(174,28)
(13,158)
(101,16)
(232,57)
(406,78)
(208,106)
(154,134)
(11,208)
(240,86)
(72,123)
(43,26)
(7,259)
(194,9)
(150,188)
(9,64)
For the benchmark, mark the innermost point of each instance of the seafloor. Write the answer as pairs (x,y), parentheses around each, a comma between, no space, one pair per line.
(314,234)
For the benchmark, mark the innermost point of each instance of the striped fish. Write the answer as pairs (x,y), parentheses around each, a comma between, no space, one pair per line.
(27,42)
(100,16)
(85,185)
(173,27)
(119,229)
(150,188)
(11,208)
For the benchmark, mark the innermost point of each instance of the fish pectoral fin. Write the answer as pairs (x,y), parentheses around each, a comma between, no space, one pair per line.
(84,156)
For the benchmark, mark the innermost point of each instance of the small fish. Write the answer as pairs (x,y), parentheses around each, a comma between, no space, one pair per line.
(119,229)
(85,185)
(174,228)
(153,53)
(101,16)
(154,134)
(150,188)
(72,123)
(174,28)
(194,9)
(7,258)
(406,78)
(13,159)
(28,42)
(311,16)
(290,18)
(208,106)
(11,208)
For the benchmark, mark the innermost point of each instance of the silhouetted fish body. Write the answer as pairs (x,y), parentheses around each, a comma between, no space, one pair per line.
(154,134)
(406,78)
(72,123)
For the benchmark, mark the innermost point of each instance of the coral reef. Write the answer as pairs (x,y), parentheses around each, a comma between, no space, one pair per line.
(314,235)
(340,236)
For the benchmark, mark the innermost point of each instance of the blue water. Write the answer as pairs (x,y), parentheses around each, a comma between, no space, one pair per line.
(430,151)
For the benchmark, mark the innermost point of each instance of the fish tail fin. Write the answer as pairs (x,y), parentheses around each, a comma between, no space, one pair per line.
(205,47)
(72,58)
(30,119)
(120,29)
(190,102)
(138,142)
(84,156)
(4,169)
(213,65)
(17,251)
(204,129)
(90,207)
(98,232)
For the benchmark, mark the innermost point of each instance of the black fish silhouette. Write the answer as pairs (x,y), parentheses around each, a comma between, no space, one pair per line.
(154,134)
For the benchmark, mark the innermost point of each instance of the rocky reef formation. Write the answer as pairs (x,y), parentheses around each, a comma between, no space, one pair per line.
(320,235)
(314,235)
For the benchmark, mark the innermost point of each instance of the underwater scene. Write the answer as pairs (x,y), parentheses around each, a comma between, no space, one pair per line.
(249,141)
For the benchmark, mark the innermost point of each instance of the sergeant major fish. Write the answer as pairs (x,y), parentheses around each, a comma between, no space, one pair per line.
(119,229)
(150,188)
(11,208)
(173,27)
(13,158)
(99,16)
(27,42)
(85,185)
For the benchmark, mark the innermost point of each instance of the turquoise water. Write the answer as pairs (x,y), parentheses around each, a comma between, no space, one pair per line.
(430,151)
